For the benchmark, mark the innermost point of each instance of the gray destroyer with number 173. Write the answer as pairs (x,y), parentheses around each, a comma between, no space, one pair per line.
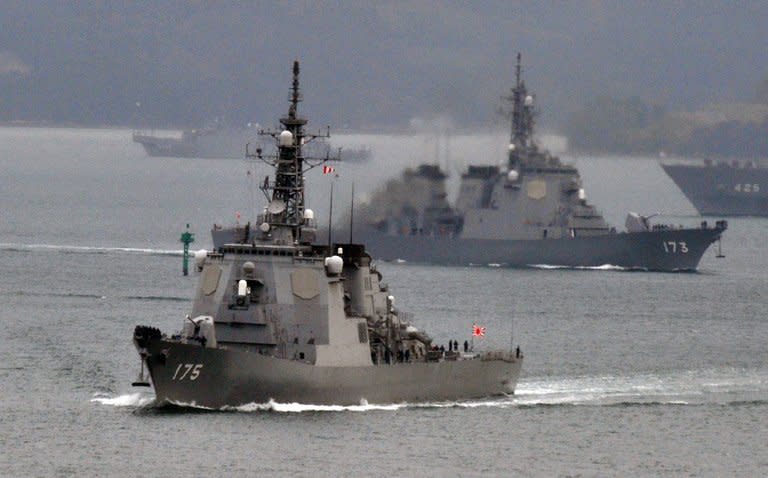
(277,317)
(530,211)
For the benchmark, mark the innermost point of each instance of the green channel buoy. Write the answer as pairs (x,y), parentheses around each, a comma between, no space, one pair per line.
(187,238)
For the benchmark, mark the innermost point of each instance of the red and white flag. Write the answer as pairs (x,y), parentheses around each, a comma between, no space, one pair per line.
(328,170)
(478,331)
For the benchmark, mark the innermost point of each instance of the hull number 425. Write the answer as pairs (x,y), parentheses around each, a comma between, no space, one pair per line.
(747,188)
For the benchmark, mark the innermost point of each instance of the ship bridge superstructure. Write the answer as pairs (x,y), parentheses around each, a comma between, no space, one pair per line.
(272,291)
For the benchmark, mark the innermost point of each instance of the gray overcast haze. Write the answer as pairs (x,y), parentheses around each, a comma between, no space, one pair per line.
(367,64)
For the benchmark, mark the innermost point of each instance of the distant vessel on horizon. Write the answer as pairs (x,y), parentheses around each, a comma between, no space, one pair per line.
(211,143)
(227,143)
(722,188)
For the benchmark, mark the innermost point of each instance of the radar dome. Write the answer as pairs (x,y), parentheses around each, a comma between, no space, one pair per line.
(511,146)
(286,138)
(309,214)
(582,194)
(334,265)
(513,175)
(264,227)
(249,267)
(528,100)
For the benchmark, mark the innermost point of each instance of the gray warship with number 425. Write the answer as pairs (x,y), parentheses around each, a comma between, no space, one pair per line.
(530,211)
(276,317)
(735,188)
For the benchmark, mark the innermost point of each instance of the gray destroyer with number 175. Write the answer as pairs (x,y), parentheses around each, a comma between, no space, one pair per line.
(276,317)
(530,211)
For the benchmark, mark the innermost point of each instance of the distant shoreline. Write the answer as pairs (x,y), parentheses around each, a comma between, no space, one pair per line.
(378,131)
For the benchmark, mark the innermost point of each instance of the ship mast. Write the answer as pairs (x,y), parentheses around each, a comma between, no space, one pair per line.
(289,178)
(522,117)
(284,215)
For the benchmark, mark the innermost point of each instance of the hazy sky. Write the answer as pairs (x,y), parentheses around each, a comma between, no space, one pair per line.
(367,63)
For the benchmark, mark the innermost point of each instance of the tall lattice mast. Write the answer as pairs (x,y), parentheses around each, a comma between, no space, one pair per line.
(522,115)
(284,215)
(289,179)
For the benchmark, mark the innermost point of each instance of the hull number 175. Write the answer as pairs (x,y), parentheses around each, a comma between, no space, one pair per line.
(188,371)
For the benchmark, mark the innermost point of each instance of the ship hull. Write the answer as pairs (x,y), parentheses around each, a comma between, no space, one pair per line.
(659,250)
(187,374)
(722,190)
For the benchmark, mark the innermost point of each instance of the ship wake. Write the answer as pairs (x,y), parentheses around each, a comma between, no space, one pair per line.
(718,387)
(604,267)
(690,388)
(69,249)
(138,399)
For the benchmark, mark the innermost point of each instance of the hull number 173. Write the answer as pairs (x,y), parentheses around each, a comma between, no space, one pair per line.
(675,247)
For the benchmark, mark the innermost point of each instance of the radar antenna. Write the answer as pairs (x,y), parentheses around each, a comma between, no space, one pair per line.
(522,116)
(286,209)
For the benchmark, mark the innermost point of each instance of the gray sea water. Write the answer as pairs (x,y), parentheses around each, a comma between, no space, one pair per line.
(626,373)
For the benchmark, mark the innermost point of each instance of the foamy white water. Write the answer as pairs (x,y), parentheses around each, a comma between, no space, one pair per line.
(89,249)
(686,388)
(127,400)
(695,387)
(604,267)
(299,407)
